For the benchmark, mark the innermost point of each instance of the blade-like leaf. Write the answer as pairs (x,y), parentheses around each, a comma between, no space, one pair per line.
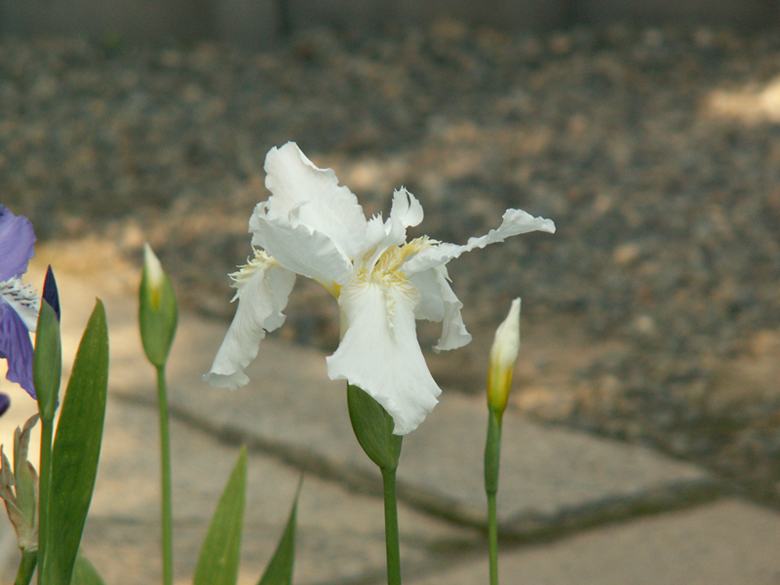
(280,570)
(221,552)
(47,361)
(77,449)
(84,573)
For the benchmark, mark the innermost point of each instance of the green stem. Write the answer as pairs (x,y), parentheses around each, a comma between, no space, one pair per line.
(391,528)
(26,567)
(492,464)
(165,460)
(493,538)
(44,489)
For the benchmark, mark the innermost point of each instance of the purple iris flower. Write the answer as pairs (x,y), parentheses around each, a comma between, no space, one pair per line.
(18,302)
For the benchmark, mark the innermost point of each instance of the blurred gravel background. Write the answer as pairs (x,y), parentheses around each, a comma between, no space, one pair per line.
(652,315)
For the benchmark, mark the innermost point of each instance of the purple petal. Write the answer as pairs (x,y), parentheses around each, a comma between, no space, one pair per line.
(16,347)
(16,244)
(5,402)
(50,294)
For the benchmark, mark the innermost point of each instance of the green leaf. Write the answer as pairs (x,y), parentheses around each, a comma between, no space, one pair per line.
(84,573)
(221,552)
(77,449)
(47,361)
(373,428)
(280,570)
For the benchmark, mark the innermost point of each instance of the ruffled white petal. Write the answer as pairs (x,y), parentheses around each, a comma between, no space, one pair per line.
(515,222)
(406,212)
(453,332)
(431,307)
(316,198)
(439,304)
(296,247)
(262,290)
(380,352)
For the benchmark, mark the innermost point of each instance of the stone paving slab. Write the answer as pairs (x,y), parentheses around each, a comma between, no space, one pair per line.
(340,534)
(723,543)
(547,474)
(552,478)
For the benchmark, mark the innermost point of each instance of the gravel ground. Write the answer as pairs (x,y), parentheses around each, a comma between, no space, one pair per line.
(652,315)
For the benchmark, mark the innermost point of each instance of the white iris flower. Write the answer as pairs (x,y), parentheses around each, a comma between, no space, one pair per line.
(314,227)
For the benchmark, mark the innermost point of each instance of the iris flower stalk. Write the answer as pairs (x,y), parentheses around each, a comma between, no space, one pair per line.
(158,316)
(314,227)
(503,355)
(47,373)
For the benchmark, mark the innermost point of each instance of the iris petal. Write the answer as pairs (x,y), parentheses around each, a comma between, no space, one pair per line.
(380,352)
(16,244)
(316,197)
(296,247)
(439,304)
(16,347)
(515,222)
(263,287)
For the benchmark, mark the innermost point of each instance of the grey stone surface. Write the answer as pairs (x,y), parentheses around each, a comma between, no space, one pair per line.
(340,534)
(551,478)
(720,544)
(340,537)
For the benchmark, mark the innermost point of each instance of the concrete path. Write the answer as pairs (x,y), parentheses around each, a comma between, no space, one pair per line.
(573,508)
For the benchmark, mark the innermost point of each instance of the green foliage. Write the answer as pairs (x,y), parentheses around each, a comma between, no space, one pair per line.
(221,552)
(373,428)
(76,450)
(280,569)
(47,361)
(84,573)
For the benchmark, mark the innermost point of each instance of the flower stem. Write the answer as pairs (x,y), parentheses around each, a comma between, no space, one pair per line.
(391,528)
(47,434)
(493,538)
(492,464)
(26,567)
(165,461)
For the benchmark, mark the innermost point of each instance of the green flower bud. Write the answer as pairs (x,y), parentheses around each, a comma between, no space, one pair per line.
(373,428)
(158,310)
(47,361)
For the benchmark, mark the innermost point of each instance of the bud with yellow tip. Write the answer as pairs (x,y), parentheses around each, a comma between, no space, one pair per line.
(503,355)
